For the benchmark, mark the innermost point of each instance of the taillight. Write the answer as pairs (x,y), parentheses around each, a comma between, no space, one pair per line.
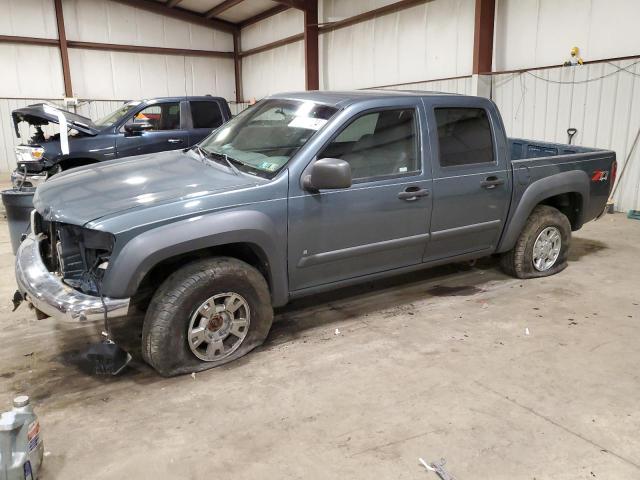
(614,171)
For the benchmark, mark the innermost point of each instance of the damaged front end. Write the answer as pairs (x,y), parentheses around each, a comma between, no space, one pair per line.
(60,269)
(44,132)
(80,256)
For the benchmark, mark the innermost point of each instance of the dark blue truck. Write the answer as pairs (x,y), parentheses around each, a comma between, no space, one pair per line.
(59,140)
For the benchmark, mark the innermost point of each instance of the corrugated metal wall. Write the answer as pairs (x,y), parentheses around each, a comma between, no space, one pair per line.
(462,86)
(601,100)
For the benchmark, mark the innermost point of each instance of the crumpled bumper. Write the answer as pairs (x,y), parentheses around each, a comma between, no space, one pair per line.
(49,294)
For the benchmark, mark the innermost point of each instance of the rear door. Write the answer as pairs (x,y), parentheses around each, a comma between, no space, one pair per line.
(382,221)
(168,130)
(471,181)
(206,116)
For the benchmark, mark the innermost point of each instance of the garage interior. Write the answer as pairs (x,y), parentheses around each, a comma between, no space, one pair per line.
(499,376)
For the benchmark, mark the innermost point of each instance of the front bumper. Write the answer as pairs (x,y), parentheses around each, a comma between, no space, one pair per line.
(49,294)
(21,179)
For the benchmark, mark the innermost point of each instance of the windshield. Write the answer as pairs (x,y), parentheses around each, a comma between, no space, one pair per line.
(117,115)
(264,137)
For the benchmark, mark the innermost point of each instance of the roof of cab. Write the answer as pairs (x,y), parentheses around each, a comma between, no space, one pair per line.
(347,97)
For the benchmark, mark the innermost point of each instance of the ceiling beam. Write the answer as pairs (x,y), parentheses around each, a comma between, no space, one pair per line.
(172,3)
(371,14)
(264,15)
(222,7)
(483,36)
(299,4)
(64,53)
(180,14)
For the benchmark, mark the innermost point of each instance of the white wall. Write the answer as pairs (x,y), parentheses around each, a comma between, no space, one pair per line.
(604,110)
(531,33)
(119,75)
(429,41)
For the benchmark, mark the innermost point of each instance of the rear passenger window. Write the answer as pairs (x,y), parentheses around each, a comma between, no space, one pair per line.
(378,144)
(464,136)
(206,114)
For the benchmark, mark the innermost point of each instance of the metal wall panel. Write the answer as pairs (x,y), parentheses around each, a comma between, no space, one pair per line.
(30,71)
(600,100)
(277,70)
(462,86)
(111,22)
(531,33)
(28,18)
(283,25)
(109,75)
(433,40)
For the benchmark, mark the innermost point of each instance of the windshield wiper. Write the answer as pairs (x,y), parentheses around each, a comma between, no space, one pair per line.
(223,156)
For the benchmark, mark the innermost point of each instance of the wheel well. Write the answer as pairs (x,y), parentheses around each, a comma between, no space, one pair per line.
(568,203)
(247,252)
(76,162)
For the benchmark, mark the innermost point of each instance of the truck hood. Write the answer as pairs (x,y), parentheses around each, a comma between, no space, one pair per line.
(41,113)
(88,193)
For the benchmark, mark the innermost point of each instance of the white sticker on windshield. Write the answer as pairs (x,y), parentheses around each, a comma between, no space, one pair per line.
(307,123)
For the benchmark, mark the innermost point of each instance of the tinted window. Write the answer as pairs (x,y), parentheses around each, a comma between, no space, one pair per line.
(162,116)
(378,144)
(206,114)
(464,136)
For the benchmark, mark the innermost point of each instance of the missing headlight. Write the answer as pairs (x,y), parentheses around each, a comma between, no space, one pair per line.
(82,254)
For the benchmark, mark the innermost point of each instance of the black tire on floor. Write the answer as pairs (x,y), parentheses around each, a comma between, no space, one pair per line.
(164,334)
(518,261)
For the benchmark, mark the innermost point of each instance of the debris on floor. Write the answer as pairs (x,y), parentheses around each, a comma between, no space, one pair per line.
(438,468)
(337,332)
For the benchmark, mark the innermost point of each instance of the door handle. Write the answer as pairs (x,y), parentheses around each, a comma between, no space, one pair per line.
(491,182)
(175,140)
(413,193)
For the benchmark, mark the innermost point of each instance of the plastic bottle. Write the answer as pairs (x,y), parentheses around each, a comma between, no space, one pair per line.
(21,447)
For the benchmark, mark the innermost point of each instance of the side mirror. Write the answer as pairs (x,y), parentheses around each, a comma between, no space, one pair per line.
(136,128)
(328,173)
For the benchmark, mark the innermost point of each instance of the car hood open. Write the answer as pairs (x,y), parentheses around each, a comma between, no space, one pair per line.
(88,193)
(41,113)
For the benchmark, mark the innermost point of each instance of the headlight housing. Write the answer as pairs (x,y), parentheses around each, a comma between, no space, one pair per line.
(25,153)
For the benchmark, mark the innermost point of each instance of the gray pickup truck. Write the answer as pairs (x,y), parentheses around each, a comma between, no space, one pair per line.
(303,192)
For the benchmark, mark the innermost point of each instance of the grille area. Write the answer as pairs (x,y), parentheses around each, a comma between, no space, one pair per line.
(74,253)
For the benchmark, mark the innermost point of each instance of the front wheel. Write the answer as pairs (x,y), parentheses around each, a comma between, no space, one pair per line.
(206,314)
(542,247)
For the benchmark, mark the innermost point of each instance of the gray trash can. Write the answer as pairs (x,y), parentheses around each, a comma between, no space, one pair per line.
(18,205)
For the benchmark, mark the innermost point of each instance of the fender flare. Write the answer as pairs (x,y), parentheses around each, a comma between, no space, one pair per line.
(574,181)
(143,252)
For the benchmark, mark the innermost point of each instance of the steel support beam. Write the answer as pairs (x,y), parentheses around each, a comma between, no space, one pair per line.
(483,36)
(64,52)
(237,64)
(311,56)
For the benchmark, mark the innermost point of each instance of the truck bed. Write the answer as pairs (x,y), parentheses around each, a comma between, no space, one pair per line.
(591,170)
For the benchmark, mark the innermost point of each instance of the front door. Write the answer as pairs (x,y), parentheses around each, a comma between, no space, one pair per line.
(167,131)
(382,221)
(471,182)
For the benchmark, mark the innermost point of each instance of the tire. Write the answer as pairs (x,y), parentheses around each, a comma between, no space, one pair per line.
(174,315)
(519,261)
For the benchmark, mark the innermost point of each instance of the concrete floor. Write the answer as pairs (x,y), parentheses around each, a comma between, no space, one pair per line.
(435,364)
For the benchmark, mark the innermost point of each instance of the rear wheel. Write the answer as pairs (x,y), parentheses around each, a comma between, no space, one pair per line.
(206,314)
(542,247)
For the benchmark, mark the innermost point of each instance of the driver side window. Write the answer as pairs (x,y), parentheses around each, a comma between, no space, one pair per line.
(162,116)
(378,144)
